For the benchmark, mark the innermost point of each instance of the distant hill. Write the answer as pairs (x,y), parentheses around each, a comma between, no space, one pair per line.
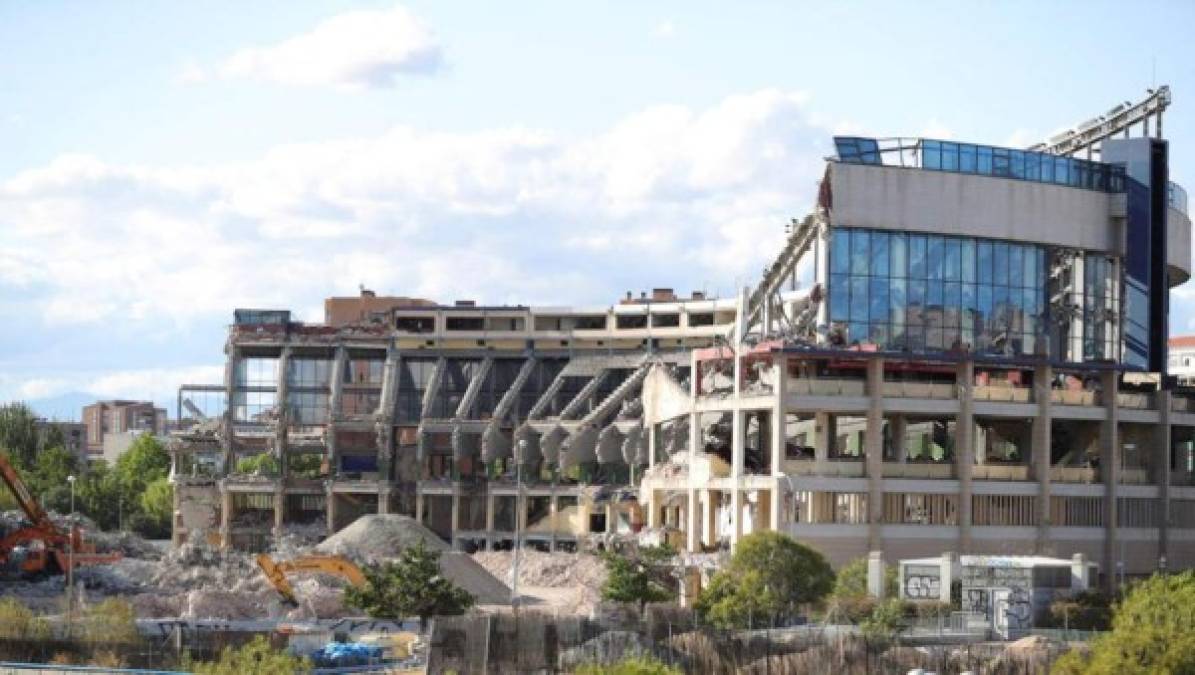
(66,407)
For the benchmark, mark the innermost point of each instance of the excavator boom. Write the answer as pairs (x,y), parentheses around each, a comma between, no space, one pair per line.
(33,511)
(323,564)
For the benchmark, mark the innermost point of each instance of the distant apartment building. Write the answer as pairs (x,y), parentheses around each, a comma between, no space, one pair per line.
(359,309)
(74,435)
(113,425)
(1182,358)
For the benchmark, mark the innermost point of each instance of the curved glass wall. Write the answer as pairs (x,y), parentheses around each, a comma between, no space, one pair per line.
(916,292)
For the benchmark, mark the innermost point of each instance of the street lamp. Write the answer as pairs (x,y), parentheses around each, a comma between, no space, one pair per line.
(514,566)
(70,560)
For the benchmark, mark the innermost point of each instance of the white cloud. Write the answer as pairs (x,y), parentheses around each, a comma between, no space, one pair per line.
(355,50)
(157,384)
(669,195)
(665,29)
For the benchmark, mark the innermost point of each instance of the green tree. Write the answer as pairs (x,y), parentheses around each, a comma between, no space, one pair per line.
(1153,631)
(49,472)
(157,506)
(410,586)
(263,463)
(641,576)
(768,579)
(145,461)
(98,495)
(256,656)
(18,433)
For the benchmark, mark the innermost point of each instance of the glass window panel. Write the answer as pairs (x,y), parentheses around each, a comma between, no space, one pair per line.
(967,158)
(859,298)
(840,297)
(1029,269)
(1047,168)
(1000,264)
(879,299)
(985,161)
(1041,268)
(985,303)
(952,294)
(1017,164)
(916,292)
(1000,162)
(840,251)
(968,299)
(931,157)
(879,254)
(857,332)
(1032,166)
(1062,170)
(1016,263)
(952,262)
(950,156)
(917,245)
(1000,306)
(896,301)
(933,259)
(984,261)
(968,255)
(879,334)
(859,251)
(898,249)
(933,295)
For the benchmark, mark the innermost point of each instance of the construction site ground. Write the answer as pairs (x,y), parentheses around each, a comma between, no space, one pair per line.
(197,581)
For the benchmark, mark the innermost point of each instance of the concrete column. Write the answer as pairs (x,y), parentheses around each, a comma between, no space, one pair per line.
(899,425)
(1110,472)
(225,517)
(279,508)
(653,509)
(176,535)
(419,506)
(692,529)
(949,570)
(553,515)
(280,442)
(1161,461)
(873,443)
(825,430)
(1040,453)
(456,516)
(330,509)
(737,453)
(964,450)
(779,419)
(1080,573)
(875,574)
(231,367)
(384,501)
(710,523)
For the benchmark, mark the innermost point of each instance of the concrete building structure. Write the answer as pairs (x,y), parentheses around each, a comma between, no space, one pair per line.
(970,357)
(366,307)
(73,435)
(1182,359)
(119,418)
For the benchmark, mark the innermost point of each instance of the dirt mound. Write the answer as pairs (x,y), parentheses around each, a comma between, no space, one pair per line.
(378,537)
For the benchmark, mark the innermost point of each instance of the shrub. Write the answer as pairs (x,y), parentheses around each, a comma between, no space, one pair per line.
(18,622)
(256,657)
(632,666)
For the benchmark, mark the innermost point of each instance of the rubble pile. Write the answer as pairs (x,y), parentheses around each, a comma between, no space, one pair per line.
(376,538)
(198,581)
(581,574)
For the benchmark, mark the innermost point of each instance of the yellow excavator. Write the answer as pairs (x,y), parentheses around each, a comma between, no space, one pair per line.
(332,565)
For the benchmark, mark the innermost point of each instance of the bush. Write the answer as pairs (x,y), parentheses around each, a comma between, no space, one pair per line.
(885,622)
(409,586)
(1153,631)
(255,657)
(1088,610)
(263,464)
(632,666)
(641,576)
(18,622)
(111,621)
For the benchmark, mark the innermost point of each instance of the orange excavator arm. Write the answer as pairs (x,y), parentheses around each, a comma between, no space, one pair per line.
(323,564)
(36,514)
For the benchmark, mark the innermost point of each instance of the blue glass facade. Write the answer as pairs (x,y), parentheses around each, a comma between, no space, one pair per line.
(917,292)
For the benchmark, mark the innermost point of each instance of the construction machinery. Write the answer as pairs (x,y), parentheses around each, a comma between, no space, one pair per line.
(40,547)
(332,565)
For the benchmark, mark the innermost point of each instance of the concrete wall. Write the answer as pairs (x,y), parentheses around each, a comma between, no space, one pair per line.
(1178,246)
(939,202)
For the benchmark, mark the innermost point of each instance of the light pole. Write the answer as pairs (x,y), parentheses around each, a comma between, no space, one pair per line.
(514,566)
(70,561)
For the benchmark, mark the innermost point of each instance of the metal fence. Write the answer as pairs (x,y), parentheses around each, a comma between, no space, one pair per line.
(535,642)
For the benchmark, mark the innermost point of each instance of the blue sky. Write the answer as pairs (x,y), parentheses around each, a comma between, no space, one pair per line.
(164,163)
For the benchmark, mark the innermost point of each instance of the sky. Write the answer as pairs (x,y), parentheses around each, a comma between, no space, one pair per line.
(164,163)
